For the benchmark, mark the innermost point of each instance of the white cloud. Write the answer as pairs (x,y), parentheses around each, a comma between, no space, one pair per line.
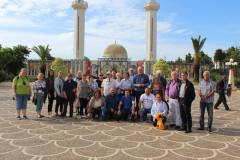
(106,21)
(17,22)
(61,14)
(33,7)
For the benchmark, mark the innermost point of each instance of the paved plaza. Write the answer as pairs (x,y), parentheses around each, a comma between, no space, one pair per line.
(74,139)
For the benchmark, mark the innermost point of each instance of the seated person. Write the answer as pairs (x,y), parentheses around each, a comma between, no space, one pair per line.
(125,106)
(95,105)
(112,102)
(159,106)
(146,102)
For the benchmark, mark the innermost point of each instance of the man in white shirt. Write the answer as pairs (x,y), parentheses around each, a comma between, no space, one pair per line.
(146,102)
(107,84)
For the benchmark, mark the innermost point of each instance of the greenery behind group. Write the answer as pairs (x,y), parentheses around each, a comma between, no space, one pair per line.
(15,58)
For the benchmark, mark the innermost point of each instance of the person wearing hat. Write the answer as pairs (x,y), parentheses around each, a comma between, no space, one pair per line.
(222,87)
(107,84)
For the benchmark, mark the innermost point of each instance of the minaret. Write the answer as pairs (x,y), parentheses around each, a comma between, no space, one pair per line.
(80,7)
(151,8)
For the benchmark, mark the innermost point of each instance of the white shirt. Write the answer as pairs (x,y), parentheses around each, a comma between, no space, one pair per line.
(147,101)
(159,108)
(107,85)
(182,90)
(126,84)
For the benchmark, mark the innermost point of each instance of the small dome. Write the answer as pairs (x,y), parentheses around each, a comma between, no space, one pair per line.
(115,51)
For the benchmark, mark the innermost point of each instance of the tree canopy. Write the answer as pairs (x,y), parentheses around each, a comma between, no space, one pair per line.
(58,65)
(13,59)
(161,65)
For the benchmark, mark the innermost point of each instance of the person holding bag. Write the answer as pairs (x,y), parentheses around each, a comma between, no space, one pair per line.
(39,88)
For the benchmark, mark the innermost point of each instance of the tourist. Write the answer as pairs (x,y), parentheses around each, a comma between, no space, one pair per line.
(146,102)
(22,92)
(162,80)
(112,102)
(95,105)
(125,106)
(118,82)
(58,86)
(159,106)
(156,87)
(206,93)
(83,90)
(107,84)
(93,84)
(222,87)
(100,80)
(114,74)
(69,91)
(126,84)
(50,90)
(78,77)
(186,97)
(140,82)
(131,74)
(172,95)
(39,88)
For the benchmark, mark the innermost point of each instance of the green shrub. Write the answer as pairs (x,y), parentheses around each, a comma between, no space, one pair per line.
(215,76)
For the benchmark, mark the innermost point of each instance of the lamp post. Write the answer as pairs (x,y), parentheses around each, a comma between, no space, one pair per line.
(231,65)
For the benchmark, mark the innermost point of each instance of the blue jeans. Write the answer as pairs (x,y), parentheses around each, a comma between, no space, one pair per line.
(104,114)
(144,113)
(209,107)
(21,101)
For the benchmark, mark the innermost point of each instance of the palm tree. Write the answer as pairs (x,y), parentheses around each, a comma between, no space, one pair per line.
(220,56)
(44,53)
(197,46)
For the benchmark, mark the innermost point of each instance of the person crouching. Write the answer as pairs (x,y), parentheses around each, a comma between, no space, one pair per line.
(160,107)
(112,101)
(95,105)
(125,106)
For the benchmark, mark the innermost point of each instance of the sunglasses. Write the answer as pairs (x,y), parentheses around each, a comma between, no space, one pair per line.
(24,83)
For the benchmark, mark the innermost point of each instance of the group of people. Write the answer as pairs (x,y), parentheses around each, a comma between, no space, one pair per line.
(128,96)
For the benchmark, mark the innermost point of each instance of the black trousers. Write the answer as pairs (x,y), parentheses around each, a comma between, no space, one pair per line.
(137,96)
(112,115)
(50,101)
(66,102)
(96,111)
(83,105)
(222,99)
(59,103)
(186,116)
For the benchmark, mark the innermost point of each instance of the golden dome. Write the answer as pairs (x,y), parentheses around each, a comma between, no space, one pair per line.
(115,51)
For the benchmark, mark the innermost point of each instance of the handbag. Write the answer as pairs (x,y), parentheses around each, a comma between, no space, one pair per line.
(34,99)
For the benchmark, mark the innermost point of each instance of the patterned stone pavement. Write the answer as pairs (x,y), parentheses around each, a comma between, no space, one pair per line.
(74,139)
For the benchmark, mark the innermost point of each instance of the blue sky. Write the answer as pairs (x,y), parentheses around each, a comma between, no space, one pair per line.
(34,22)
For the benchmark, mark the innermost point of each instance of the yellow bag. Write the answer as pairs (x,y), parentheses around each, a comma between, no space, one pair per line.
(159,119)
